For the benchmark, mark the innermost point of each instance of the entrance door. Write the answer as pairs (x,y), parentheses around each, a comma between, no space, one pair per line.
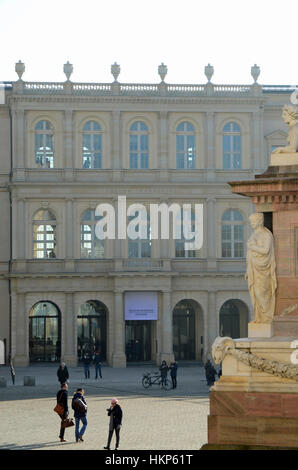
(44,333)
(92,329)
(184,344)
(138,340)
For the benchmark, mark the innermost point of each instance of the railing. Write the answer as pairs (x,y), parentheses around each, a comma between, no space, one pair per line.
(145,89)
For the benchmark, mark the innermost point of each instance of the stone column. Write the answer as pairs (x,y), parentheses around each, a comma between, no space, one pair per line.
(115,140)
(68,153)
(167,328)
(68,339)
(213,321)
(211,234)
(18,144)
(21,344)
(69,236)
(118,356)
(210,164)
(257,151)
(163,141)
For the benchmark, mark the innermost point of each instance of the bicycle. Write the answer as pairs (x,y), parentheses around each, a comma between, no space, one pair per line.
(154,378)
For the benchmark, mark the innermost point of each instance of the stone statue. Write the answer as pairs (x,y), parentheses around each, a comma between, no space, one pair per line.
(260,271)
(290,116)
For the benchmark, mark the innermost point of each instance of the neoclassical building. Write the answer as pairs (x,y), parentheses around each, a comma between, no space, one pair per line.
(67,147)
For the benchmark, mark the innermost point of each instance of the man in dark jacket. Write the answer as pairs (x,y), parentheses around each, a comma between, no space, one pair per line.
(115,413)
(173,372)
(97,363)
(87,362)
(62,399)
(62,374)
(210,373)
(79,405)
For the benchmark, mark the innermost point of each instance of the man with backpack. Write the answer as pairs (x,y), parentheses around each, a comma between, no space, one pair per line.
(79,405)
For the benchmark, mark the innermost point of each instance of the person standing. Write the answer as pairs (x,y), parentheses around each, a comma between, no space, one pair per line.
(115,414)
(163,371)
(62,373)
(87,362)
(173,372)
(210,373)
(79,405)
(62,399)
(97,363)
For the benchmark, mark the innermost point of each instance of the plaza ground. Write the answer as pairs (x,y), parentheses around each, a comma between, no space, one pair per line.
(152,418)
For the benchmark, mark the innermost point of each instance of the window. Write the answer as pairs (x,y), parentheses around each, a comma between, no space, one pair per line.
(231,146)
(141,247)
(92,145)
(232,234)
(180,251)
(44,144)
(91,246)
(185,146)
(138,146)
(44,235)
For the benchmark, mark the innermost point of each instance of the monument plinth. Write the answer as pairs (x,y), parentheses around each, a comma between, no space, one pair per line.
(255,402)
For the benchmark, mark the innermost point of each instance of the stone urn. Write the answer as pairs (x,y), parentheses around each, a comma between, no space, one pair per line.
(162,71)
(20,69)
(68,69)
(115,70)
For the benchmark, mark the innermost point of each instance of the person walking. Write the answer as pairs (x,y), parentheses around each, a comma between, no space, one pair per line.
(62,399)
(97,363)
(163,371)
(62,373)
(115,414)
(79,405)
(210,373)
(87,362)
(173,372)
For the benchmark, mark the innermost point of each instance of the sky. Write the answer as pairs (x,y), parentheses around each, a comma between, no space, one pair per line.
(186,35)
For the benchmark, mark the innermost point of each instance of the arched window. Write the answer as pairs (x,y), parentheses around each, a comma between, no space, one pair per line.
(140,247)
(92,145)
(232,234)
(44,144)
(185,146)
(44,332)
(180,250)
(91,246)
(44,234)
(138,146)
(233,319)
(231,146)
(92,328)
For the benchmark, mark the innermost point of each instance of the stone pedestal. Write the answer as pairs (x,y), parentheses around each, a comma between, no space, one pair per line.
(251,407)
(260,330)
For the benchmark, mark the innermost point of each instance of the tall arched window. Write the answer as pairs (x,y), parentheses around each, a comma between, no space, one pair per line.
(44,144)
(185,146)
(138,146)
(232,234)
(91,246)
(44,332)
(44,234)
(180,250)
(92,145)
(231,146)
(140,247)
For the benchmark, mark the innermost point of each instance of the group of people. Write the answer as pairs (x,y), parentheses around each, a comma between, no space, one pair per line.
(211,373)
(164,368)
(63,374)
(79,405)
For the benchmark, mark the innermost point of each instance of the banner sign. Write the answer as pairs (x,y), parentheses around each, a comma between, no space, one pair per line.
(141,306)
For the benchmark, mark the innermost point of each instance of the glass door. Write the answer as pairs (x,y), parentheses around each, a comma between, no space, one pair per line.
(138,340)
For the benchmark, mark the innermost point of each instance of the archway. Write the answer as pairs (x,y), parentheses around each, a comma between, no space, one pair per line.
(92,329)
(188,330)
(233,319)
(44,332)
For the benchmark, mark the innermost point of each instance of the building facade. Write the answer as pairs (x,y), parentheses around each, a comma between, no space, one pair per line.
(67,147)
